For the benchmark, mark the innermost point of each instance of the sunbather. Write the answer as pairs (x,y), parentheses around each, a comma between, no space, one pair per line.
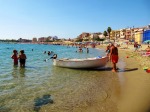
(148,48)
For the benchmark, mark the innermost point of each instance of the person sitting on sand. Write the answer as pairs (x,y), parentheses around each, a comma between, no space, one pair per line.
(148,48)
(22,57)
(114,57)
(15,57)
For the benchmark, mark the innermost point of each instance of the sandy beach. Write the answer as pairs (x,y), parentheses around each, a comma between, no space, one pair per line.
(130,92)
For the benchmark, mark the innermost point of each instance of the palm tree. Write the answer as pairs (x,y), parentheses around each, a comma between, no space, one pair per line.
(105,33)
(109,30)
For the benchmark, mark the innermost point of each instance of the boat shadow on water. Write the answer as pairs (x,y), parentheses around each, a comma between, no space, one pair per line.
(127,69)
(39,102)
(109,69)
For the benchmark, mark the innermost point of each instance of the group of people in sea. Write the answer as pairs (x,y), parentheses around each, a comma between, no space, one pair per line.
(49,52)
(22,58)
(81,50)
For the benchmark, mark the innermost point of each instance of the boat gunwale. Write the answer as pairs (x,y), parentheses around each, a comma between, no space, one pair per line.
(79,60)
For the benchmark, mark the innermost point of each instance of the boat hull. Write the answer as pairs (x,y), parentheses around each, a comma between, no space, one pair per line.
(81,63)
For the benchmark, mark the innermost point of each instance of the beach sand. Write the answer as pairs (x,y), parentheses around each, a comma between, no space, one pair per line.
(130,90)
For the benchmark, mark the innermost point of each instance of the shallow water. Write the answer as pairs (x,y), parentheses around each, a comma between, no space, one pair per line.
(42,87)
(70,90)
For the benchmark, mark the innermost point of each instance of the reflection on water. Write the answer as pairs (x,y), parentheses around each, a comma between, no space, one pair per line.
(15,71)
(22,72)
(18,72)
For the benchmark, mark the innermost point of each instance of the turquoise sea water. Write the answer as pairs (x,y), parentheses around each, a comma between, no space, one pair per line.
(67,90)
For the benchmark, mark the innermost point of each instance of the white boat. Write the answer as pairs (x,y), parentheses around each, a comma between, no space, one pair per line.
(95,62)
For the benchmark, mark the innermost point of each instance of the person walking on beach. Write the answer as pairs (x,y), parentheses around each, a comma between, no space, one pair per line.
(114,57)
(22,58)
(15,57)
(135,46)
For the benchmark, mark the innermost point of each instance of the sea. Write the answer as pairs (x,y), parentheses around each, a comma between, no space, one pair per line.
(43,87)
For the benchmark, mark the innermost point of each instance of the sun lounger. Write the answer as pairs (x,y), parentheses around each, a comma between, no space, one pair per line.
(146,55)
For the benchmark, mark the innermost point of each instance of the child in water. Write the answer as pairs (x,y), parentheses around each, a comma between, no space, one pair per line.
(15,57)
(22,58)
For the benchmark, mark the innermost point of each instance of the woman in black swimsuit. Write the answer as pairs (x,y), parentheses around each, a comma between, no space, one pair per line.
(22,58)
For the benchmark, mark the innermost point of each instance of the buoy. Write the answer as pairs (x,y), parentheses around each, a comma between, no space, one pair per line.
(131,55)
(145,68)
(148,70)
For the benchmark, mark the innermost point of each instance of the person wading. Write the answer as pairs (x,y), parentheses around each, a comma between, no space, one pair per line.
(114,57)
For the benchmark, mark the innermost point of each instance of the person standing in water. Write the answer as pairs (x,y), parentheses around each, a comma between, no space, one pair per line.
(22,57)
(87,50)
(114,57)
(15,57)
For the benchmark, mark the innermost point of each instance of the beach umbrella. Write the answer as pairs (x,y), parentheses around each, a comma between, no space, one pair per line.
(146,41)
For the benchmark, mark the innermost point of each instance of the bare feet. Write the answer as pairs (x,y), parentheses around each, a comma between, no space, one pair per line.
(113,70)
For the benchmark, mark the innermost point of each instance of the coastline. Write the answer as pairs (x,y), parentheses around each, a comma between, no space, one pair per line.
(131,89)
(86,90)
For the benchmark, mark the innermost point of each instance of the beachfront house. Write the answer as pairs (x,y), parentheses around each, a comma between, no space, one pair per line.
(117,34)
(146,35)
(42,39)
(128,34)
(101,36)
(138,35)
(34,40)
(122,33)
(24,40)
(113,35)
(85,36)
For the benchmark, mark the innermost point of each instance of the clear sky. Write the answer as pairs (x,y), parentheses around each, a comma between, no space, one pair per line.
(69,18)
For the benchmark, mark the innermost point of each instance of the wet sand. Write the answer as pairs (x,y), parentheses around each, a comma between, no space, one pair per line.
(131,90)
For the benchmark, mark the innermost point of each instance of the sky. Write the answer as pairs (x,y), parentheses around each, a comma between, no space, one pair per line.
(69,18)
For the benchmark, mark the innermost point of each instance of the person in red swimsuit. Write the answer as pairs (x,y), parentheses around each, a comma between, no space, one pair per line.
(114,57)
(15,57)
